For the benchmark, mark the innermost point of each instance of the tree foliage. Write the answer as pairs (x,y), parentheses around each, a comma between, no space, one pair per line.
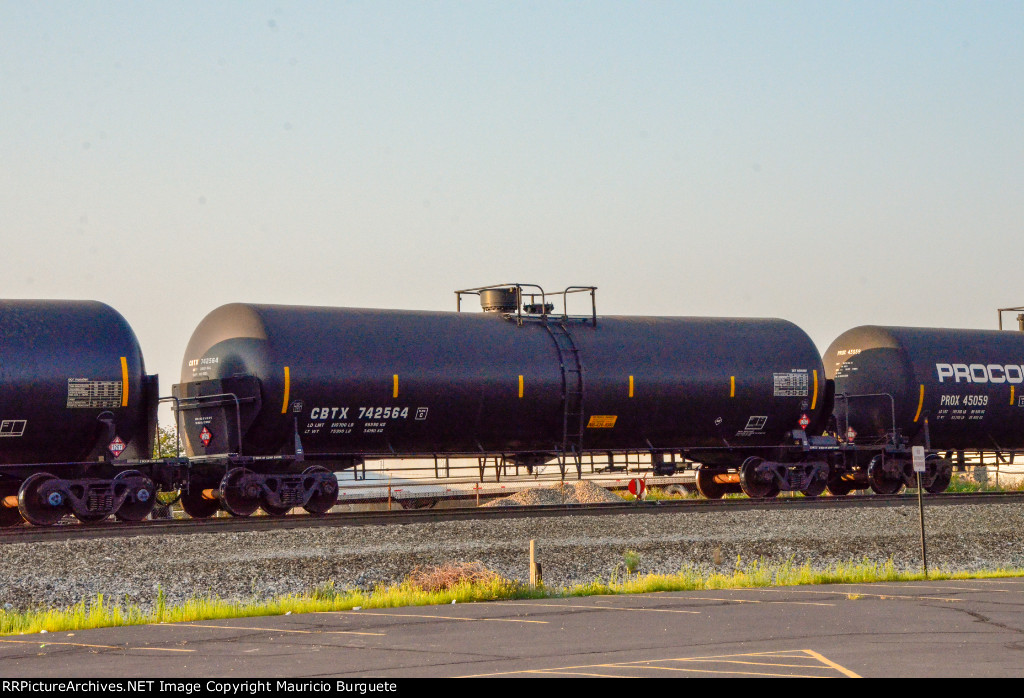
(165,445)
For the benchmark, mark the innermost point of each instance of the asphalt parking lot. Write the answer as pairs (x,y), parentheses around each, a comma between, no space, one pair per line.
(941,628)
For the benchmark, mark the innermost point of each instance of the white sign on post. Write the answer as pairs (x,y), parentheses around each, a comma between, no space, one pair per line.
(918,454)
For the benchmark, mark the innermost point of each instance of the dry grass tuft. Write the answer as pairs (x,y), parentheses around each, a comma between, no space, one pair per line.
(451,575)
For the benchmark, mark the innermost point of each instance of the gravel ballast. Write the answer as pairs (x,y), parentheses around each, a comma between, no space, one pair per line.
(573,550)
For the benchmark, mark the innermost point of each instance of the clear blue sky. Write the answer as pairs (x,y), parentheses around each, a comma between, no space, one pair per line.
(831,163)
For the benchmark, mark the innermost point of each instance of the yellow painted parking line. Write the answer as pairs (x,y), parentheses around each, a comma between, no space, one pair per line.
(102,647)
(861,593)
(823,663)
(793,603)
(267,630)
(160,649)
(560,672)
(417,615)
(732,672)
(841,669)
(555,672)
(930,586)
(601,608)
(785,654)
(715,598)
(740,661)
(43,641)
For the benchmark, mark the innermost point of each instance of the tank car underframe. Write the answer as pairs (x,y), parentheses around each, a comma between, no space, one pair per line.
(242,484)
(762,478)
(803,465)
(886,469)
(44,493)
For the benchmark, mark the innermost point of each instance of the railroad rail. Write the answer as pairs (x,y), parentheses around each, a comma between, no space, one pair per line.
(76,531)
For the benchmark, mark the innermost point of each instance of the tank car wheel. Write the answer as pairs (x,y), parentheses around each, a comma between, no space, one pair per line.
(322,501)
(141,498)
(838,487)
(195,504)
(943,476)
(753,485)
(271,510)
(9,516)
(816,487)
(32,506)
(90,518)
(235,500)
(706,484)
(880,483)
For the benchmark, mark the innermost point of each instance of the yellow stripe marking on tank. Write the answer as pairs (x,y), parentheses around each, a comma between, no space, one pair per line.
(920,403)
(732,386)
(520,386)
(1011,394)
(287,389)
(394,393)
(124,381)
(814,399)
(631,386)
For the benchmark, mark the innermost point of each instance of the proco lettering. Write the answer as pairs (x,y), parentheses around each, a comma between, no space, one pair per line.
(980,373)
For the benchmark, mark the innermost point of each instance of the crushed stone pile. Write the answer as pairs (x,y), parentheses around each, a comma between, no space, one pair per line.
(579,492)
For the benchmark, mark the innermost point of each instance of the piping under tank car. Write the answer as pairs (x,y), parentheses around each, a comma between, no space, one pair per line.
(77,416)
(274,399)
(946,390)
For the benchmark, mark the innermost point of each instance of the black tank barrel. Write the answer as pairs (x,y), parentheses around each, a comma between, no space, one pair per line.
(72,384)
(968,384)
(366,381)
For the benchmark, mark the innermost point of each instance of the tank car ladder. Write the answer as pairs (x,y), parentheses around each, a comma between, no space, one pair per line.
(572,396)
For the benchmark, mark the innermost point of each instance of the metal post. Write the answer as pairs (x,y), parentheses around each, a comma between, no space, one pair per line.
(920,507)
(533,564)
(920,463)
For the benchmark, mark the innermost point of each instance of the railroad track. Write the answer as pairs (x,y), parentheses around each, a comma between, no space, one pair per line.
(111,529)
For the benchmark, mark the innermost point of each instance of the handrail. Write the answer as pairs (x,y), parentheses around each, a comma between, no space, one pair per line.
(519,288)
(238,410)
(847,398)
(1020,317)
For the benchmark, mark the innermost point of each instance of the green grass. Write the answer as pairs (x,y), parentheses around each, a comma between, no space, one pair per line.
(102,612)
(961,483)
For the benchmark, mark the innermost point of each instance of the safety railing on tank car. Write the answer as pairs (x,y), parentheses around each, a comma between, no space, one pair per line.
(1020,317)
(177,423)
(190,401)
(845,397)
(532,308)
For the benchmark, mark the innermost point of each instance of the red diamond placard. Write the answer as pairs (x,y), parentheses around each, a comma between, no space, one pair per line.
(116,446)
(205,437)
(850,435)
(804,421)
